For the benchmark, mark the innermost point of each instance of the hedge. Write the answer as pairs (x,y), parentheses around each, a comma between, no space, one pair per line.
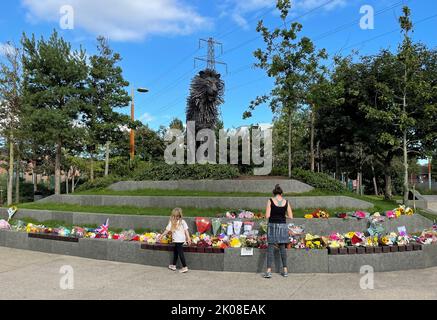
(318,180)
(163,171)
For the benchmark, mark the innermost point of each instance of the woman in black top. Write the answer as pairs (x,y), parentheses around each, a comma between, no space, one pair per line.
(277,232)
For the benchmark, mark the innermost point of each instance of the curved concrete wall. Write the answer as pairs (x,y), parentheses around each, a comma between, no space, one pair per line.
(415,223)
(299,261)
(262,186)
(327,202)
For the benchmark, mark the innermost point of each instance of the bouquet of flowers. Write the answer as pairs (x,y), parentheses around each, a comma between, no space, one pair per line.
(195,239)
(399,211)
(390,214)
(90,235)
(11,211)
(294,230)
(385,241)
(371,241)
(216,225)
(206,238)
(230,215)
(314,242)
(18,225)
(263,227)
(235,243)
(259,215)
(428,237)
(403,240)
(317,214)
(409,211)
(217,243)
(376,227)
(336,240)
(344,215)
(251,242)
(355,239)
(4,225)
(78,232)
(63,232)
(262,241)
(393,237)
(31,228)
(361,214)
(246,215)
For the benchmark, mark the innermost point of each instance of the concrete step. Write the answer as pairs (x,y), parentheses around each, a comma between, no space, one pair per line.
(261,186)
(234,203)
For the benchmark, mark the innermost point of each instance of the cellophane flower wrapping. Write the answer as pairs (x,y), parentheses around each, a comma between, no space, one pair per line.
(263,227)
(4,225)
(216,226)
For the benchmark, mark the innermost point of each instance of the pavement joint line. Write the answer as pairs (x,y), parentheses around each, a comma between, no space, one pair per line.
(310,277)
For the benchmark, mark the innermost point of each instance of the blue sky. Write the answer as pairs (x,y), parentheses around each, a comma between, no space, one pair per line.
(158,40)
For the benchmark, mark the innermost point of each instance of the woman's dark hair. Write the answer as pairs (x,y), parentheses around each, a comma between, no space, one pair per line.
(278,190)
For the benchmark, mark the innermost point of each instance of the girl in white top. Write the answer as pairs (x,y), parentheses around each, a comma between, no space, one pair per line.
(179,232)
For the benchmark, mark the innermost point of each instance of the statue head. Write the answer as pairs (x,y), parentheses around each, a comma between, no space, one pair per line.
(209,86)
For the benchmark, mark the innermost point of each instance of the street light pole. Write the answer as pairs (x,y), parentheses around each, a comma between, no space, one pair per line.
(132,131)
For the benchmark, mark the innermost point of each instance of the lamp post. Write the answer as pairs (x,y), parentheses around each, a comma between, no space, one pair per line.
(429,174)
(132,111)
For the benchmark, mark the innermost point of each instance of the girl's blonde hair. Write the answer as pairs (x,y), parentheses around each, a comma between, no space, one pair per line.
(175,218)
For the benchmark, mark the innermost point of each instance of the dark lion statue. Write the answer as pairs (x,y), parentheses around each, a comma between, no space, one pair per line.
(206,95)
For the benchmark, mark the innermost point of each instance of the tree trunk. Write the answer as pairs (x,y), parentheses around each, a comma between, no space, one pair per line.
(17,182)
(404,137)
(405,154)
(388,193)
(66,181)
(375,185)
(34,177)
(72,180)
(289,143)
(58,169)
(358,183)
(92,168)
(11,170)
(107,159)
(312,155)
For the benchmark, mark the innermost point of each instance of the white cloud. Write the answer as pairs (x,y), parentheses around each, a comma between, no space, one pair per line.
(311,4)
(128,20)
(6,48)
(147,117)
(238,10)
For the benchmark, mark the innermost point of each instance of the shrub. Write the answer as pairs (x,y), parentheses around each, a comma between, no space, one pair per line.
(318,180)
(162,171)
(98,183)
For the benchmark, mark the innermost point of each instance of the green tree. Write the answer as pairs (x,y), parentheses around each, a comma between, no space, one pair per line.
(400,100)
(11,108)
(106,92)
(54,86)
(285,59)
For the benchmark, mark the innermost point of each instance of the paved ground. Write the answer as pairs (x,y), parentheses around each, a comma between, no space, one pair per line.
(34,275)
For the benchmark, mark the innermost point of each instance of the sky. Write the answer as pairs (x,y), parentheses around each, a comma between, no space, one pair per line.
(159,39)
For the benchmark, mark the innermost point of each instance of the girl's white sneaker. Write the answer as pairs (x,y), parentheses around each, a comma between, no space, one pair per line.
(184,270)
(172,267)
